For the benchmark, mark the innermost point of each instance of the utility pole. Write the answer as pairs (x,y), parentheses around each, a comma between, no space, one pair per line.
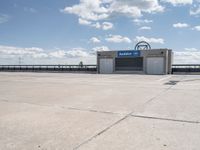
(20,60)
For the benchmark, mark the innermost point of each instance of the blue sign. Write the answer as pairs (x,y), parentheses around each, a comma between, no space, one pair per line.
(129,53)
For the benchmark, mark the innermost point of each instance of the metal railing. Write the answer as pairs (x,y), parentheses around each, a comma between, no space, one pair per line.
(40,68)
(188,68)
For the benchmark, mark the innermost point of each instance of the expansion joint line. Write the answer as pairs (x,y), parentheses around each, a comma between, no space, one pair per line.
(163,92)
(165,119)
(103,131)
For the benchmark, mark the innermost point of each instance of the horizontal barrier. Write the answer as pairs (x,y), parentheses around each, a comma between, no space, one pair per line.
(53,68)
(187,68)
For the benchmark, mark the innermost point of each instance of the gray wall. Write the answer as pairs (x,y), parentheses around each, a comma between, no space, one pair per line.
(167,54)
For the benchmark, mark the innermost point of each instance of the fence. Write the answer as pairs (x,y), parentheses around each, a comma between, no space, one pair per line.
(187,68)
(53,68)
(183,68)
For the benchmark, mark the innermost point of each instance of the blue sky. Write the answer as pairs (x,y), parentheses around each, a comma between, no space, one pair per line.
(69,31)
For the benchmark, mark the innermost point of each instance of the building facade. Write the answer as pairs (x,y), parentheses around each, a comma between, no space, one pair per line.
(152,61)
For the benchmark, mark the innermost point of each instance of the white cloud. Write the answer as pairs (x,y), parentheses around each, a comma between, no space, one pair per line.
(107,25)
(36,52)
(77,52)
(181,25)
(84,22)
(40,55)
(88,10)
(101,48)
(195,11)
(95,40)
(133,11)
(97,25)
(149,40)
(34,55)
(10,50)
(118,39)
(178,2)
(145,28)
(103,26)
(191,49)
(57,54)
(4,18)
(186,57)
(142,21)
(136,8)
(95,10)
(73,53)
(197,28)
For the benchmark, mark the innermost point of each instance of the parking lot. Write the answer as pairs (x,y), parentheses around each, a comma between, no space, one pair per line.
(52,111)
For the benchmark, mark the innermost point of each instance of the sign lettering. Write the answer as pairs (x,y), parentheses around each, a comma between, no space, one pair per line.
(133,53)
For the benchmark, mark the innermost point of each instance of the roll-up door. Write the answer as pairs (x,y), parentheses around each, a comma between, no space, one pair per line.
(155,65)
(106,66)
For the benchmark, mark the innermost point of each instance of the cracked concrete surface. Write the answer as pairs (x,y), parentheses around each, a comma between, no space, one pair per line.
(51,111)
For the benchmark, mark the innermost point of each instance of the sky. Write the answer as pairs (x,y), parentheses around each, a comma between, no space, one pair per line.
(70,31)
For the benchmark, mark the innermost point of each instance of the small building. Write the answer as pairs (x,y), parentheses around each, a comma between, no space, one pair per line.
(147,61)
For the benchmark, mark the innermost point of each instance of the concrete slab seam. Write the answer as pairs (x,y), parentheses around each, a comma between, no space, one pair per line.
(92,110)
(101,132)
(163,92)
(165,119)
(69,108)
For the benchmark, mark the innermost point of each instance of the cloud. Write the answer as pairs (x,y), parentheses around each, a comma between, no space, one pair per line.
(57,54)
(191,49)
(40,55)
(149,40)
(103,26)
(97,25)
(77,52)
(10,50)
(84,22)
(195,11)
(93,12)
(142,21)
(88,10)
(126,10)
(96,10)
(136,8)
(4,18)
(118,39)
(107,25)
(186,57)
(178,2)
(73,53)
(197,28)
(181,25)
(101,48)
(94,40)
(34,55)
(145,28)
(36,52)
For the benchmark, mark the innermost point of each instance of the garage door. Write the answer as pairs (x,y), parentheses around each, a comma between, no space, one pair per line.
(155,65)
(106,66)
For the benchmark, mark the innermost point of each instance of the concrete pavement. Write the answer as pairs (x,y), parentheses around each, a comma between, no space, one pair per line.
(90,111)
